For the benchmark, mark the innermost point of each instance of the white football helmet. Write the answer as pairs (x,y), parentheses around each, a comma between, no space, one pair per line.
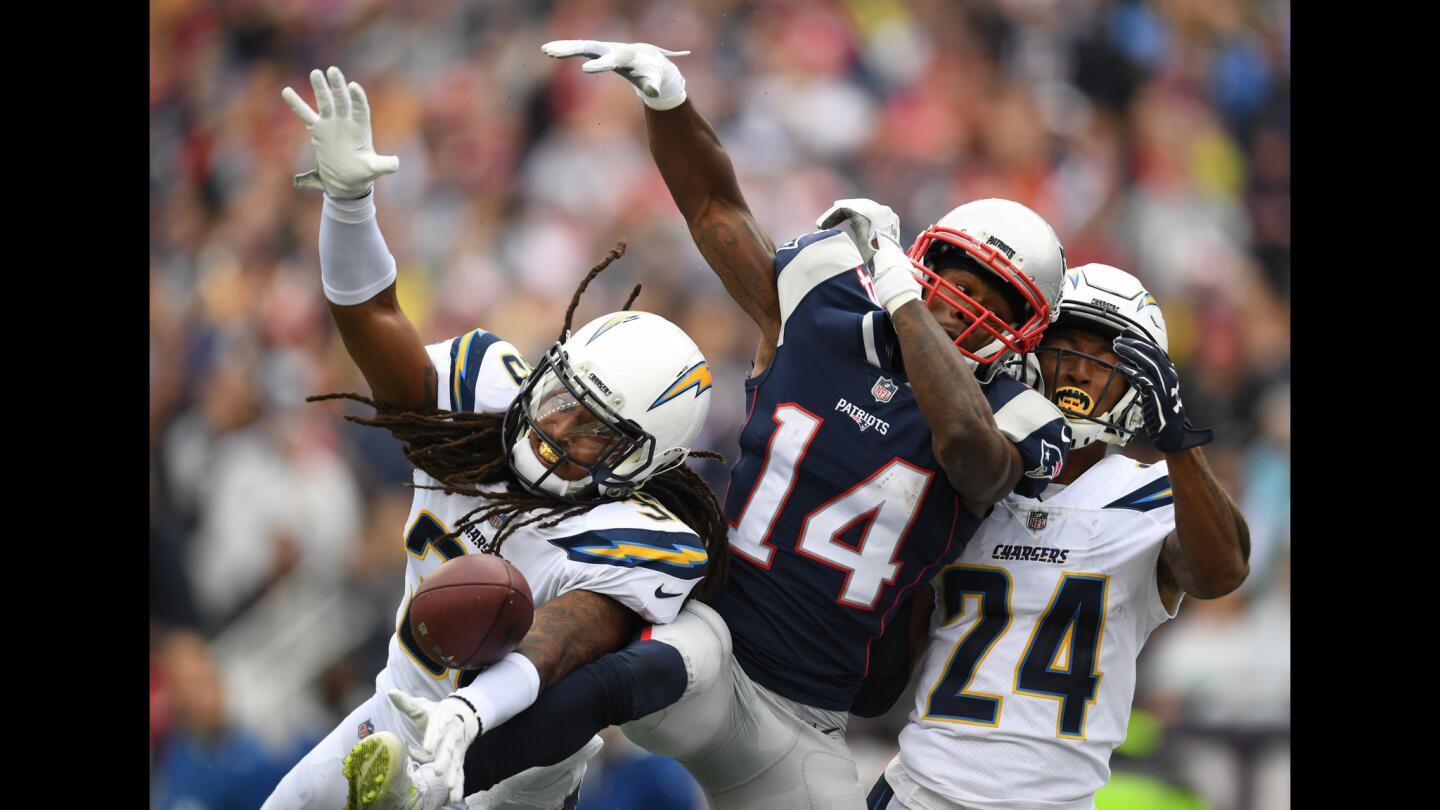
(1020,247)
(622,399)
(1108,301)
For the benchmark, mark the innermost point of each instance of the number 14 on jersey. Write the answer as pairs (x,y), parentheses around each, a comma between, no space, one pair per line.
(887,501)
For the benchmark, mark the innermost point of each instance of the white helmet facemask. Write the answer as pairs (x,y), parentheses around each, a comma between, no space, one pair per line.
(558,425)
(1106,301)
(1114,426)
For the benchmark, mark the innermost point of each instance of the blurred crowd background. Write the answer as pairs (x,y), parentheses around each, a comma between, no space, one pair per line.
(1153,135)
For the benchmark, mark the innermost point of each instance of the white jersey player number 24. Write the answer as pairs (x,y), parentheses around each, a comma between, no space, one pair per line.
(1059,661)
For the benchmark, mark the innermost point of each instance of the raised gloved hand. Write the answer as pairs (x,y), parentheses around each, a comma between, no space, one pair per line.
(875,229)
(340,135)
(449,726)
(1149,369)
(866,221)
(657,81)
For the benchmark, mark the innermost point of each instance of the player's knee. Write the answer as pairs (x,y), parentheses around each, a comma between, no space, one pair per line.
(702,638)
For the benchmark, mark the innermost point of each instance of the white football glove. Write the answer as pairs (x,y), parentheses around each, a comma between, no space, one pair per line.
(875,229)
(449,726)
(657,81)
(866,220)
(340,135)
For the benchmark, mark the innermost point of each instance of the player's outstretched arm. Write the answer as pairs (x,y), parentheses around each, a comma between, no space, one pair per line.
(356,268)
(568,631)
(698,173)
(702,181)
(574,629)
(640,679)
(1208,554)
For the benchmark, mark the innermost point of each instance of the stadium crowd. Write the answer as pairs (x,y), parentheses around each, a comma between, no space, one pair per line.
(1153,135)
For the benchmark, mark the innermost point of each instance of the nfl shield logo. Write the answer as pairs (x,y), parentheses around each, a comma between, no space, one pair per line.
(366,729)
(884,389)
(1037,520)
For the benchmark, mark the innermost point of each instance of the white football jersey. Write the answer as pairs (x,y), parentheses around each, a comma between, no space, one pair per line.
(633,551)
(1027,684)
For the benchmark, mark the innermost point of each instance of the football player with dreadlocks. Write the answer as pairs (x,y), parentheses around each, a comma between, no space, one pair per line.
(1027,684)
(879,435)
(573,471)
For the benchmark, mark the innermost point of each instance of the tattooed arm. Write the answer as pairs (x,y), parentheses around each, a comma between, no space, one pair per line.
(574,629)
(1208,554)
(570,630)
(981,463)
(702,181)
(385,346)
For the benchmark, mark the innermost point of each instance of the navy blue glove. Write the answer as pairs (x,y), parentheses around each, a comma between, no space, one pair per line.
(1149,369)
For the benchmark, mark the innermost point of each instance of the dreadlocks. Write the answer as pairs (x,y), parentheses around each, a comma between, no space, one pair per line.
(463,451)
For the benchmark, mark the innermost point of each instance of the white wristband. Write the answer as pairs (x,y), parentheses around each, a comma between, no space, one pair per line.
(893,299)
(668,101)
(504,690)
(894,282)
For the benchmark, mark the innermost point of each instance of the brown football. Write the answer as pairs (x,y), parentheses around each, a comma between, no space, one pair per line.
(472,611)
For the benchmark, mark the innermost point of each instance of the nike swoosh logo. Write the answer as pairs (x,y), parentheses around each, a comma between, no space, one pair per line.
(829,730)
(661,594)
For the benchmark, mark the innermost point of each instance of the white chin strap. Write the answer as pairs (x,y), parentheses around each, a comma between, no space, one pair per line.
(530,468)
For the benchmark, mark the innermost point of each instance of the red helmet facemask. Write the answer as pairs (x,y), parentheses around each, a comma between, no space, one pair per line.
(1022,340)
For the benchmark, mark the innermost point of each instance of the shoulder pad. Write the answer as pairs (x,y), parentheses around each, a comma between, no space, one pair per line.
(805,263)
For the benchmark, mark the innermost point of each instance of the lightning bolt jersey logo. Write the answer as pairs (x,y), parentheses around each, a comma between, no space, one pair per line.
(638,548)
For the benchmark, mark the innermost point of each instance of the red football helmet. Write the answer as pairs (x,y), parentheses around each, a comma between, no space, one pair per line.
(1017,245)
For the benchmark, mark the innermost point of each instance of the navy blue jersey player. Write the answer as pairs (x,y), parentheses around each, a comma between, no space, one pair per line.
(838,505)
(878,437)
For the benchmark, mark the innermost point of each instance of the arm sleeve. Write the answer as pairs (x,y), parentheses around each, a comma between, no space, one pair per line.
(641,679)
(355,263)
(477,372)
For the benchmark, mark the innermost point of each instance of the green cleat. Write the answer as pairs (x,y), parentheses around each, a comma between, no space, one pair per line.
(381,776)
(375,774)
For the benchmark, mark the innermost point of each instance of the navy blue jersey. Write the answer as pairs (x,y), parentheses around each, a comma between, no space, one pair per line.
(838,508)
